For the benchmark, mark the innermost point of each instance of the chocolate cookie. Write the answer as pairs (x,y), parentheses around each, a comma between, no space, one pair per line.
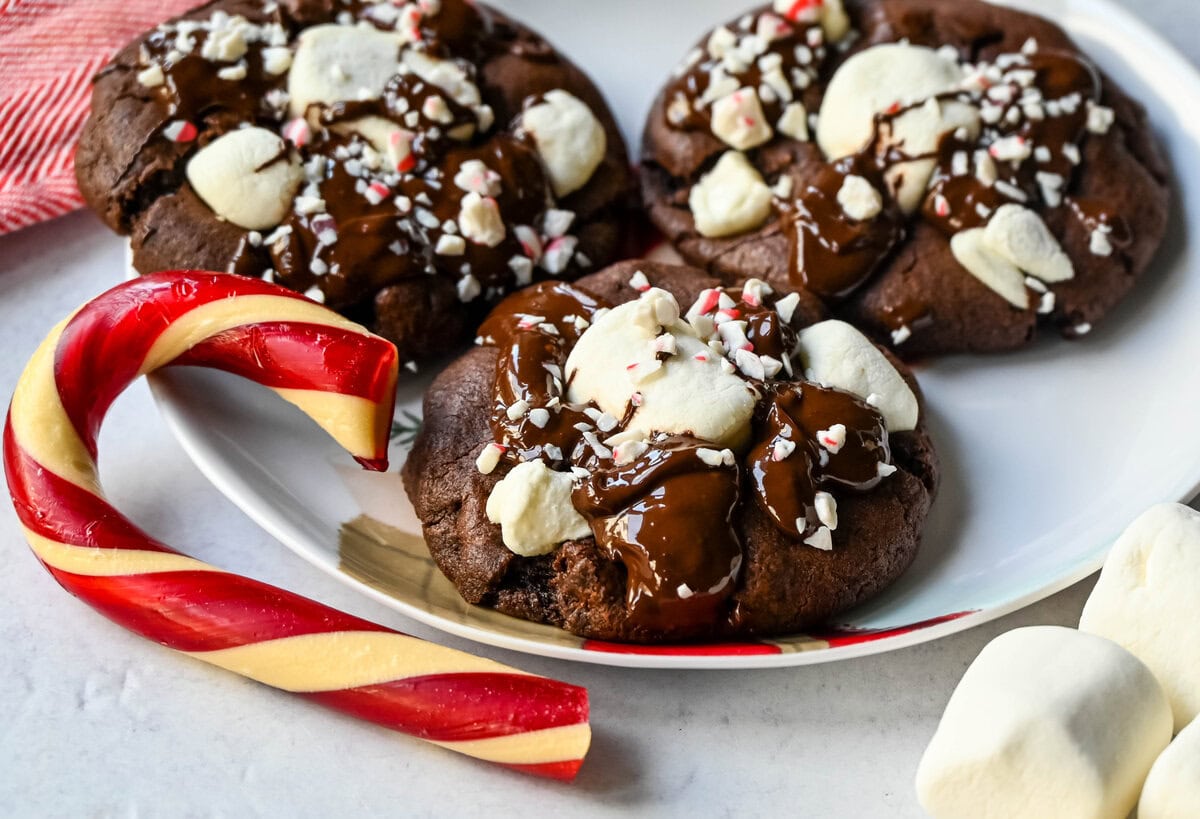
(947,175)
(406,164)
(607,465)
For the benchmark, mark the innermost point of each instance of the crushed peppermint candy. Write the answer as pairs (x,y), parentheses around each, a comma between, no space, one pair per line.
(826,508)
(1099,243)
(180,131)
(1099,118)
(782,449)
(489,458)
(786,307)
(467,287)
(715,457)
(832,439)
(517,409)
(820,539)
(629,451)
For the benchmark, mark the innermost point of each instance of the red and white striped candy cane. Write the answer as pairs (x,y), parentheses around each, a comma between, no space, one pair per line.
(344,378)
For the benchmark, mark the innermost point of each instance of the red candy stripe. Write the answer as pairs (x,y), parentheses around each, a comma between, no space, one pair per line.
(281,340)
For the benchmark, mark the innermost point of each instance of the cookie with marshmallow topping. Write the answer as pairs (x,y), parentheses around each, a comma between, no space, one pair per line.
(405,163)
(646,455)
(946,175)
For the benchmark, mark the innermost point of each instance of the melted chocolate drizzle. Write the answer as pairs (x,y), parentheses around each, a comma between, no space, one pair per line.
(796,50)
(668,517)
(795,456)
(535,330)
(832,254)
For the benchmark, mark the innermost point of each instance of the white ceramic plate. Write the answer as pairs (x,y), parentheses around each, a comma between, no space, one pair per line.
(1048,453)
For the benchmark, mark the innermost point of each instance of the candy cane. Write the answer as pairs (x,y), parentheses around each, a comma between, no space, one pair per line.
(344,378)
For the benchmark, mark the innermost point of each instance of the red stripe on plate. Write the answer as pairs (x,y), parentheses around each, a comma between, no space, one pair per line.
(697,650)
(848,635)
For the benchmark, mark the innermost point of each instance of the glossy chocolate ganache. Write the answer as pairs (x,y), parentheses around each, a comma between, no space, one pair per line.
(847,142)
(651,431)
(364,149)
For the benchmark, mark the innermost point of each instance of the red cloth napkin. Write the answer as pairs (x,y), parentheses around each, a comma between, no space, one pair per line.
(49,50)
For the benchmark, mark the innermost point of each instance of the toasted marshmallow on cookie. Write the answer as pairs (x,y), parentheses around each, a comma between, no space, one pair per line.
(533,506)
(247,177)
(732,198)
(909,83)
(683,386)
(334,63)
(568,137)
(835,354)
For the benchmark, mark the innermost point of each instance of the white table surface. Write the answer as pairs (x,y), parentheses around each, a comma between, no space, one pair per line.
(97,722)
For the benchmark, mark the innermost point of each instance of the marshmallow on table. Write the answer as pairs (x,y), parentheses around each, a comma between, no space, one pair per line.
(835,354)
(1146,600)
(1047,722)
(1172,790)
(247,177)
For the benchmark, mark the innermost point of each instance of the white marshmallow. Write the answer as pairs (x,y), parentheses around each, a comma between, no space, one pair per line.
(385,136)
(679,395)
(731,198)
(445,74)
(837,355)
(1146,601)
(569,139)
(738,120)
(333,63)
(1019,235)
(918,132)
(1001,275)
(793,122)
(873,81)
(858,199)
(480,221)
(1047,721)
(533,506)
(834,20)
(247,176)
(1172,790)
